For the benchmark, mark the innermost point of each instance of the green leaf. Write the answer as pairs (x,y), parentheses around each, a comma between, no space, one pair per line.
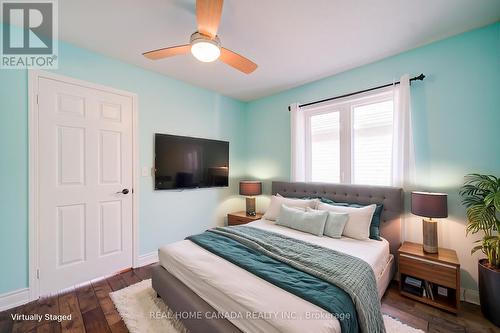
(475,249)
(496,201)
(472,200)
(481,217)
(488,199)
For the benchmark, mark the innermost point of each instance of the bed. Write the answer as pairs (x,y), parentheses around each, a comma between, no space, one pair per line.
(200,285)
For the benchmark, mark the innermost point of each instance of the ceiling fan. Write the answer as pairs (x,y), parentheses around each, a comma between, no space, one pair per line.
(205,44)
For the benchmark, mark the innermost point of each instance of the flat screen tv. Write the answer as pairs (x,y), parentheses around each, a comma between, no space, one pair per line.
(183,162)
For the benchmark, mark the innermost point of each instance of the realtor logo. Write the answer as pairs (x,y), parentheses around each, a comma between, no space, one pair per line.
(29,34)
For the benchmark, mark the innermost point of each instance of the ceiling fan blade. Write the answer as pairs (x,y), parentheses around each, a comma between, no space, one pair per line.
(167,52)
(208,13)
(237,61)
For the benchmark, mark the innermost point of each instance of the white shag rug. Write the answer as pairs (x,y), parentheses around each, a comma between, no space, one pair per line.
(143,312)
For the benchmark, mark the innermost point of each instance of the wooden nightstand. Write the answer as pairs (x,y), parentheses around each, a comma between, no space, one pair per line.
(440,271)
(241,218)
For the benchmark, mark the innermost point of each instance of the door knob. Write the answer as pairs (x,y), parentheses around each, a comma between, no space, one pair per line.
(124,191)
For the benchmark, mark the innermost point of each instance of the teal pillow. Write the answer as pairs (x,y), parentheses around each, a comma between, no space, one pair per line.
(335,224)
(331,202)
(375,222)
(312,222)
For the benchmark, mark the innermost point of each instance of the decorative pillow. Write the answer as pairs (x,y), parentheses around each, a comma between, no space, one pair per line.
(273,211)
(331,202)
(301,198)
(375,223)
(335,224)
(311,221)
(358,224)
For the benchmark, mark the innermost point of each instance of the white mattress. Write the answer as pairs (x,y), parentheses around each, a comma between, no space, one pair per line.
(253,304)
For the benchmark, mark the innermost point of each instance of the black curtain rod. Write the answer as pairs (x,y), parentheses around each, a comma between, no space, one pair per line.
(419,78)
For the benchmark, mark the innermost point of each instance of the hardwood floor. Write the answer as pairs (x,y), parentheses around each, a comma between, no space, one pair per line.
(90,306)
(468,320)
(92,310)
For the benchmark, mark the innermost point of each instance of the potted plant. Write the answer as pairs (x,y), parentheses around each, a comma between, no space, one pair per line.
(481,196)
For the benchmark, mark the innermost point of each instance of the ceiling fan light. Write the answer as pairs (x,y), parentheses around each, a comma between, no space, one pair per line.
(205,50)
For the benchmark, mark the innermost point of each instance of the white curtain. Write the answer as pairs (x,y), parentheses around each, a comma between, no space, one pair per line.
(298,143)
(403,154)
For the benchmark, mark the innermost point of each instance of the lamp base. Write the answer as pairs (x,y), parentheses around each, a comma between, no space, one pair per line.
(250,203)
(429,228)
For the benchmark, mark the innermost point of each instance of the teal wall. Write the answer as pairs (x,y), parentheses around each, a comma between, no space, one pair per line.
(456,119)
(166,106)
(13,180)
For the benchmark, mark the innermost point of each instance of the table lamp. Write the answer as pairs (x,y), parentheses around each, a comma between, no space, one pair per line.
(429,205)
(250,188)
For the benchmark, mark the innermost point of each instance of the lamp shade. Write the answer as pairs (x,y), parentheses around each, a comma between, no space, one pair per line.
(429,204)
(250,187)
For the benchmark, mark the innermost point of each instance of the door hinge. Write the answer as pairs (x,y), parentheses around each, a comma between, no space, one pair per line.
(37,99)
(38,274)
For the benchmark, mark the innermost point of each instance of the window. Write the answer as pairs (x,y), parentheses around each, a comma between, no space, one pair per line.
(350,141)
(325,147)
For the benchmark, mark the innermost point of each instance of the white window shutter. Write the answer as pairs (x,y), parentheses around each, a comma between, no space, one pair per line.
(325,147)
(372,143)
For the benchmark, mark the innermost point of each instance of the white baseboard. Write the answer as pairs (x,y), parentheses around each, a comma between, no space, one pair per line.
(146,259)
(22,296)
(14,298)
(469,296)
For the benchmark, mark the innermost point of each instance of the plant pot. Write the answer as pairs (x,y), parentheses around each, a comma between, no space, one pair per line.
(489,295)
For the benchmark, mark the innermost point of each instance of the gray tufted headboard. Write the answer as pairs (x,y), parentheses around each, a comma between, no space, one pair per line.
(390,197)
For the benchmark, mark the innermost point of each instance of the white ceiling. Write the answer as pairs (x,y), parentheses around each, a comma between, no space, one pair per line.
(292,41)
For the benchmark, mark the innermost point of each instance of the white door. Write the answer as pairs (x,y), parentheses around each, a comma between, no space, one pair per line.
(84,164)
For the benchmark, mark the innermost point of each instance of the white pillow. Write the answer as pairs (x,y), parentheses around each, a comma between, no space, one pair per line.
(273,211)
(358,224)
(316,200)
(335,223)
(311,221)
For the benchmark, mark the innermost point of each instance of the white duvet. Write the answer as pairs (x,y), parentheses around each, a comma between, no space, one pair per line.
(253,304)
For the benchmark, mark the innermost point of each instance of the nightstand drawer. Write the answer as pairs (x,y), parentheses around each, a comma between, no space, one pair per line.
(241,218)
(235,220)
(439,273)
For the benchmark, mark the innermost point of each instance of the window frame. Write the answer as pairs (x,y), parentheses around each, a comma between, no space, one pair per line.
(345,107)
